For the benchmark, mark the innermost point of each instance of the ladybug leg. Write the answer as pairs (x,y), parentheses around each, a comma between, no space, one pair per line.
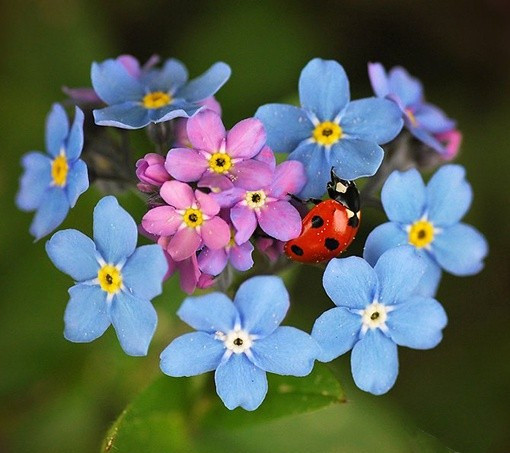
(315,201)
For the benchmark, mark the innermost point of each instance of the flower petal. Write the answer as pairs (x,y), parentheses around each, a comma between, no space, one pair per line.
(212,261)
(162,221)
(399,271)
(77,181)
(86,316)
(286,126)
(51,213)
(143,273)
(189,273)
(324,88)
(262,302)
(407,88)
(240,383)
(34,181)
(354,159)
(213,312)
(135,322)
(426,137)
(207,204)
(372,119)
(185,164)
(460,249)
(382,238)
(374,362)
(114,84)
(75,139)
(215,233)
(177,194)
(240,256)
(403,196)
(128,115)
(191,354)
(449,195)
(417,323)
(350,282)
(429,283)
(245,222)
(433,119)
(206,131)
(251,174)
(205,85)
(378,79)
(280,220)
(73,253)
(336,331)
(184,244)
(168,79)
(246,138)
(57,128)
(289,178)
(287,351)
(115,231)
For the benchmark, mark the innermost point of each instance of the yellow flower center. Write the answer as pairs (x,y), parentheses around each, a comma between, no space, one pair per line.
(255,199)
(193,217)
(110,279)
(421,233)
(411,117)
(156,100)
(220,163)
(327,133)
(59,170)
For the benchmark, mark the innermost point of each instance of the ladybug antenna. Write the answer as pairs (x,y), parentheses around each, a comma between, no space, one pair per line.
(343,191)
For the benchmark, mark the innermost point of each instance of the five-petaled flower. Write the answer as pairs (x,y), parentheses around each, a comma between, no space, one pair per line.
(136,99)
(51,184)
(329,130)
(241,341)
(428,217)
(115,280)
(377,309)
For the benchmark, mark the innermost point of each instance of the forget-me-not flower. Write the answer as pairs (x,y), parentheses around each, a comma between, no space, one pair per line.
(329,130)
(52,183)
(115,281)
(154,95)
(428,217)
(241,341)
(377,310)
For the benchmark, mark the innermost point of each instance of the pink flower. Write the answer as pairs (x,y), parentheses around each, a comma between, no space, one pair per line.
(151,172)
(270,247)
(451,140)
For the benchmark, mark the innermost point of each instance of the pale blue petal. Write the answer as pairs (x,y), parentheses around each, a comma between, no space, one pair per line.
(57,128)
(178,109)
(135,322)
(51,213)
(354,159)
(113,84)
(417,323)
(240,383)
(433,119)
(382,238)
(403,196)
(191,354)
(408,88)
(350,282)
(86,315)
(75,139)
(426,137)
(373,119)
(262,303)
(336,331)
(374,363)
(324,88)
(429,283)
(115,231)
(287,351)
(378,79)
(73,253)
(399,271)
(205,85)
(35,180)
(286,126)
(168,79)
(144,270)
(128,115)
(77,181)
(449,195)
(318,169)
(211,313)
(460,250)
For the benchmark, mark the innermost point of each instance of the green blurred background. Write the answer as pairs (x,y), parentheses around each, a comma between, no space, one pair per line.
(61,397)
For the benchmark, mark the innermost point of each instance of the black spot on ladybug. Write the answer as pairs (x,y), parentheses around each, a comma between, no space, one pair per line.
(353,221)
(317,221)
(331,244)
(297,250)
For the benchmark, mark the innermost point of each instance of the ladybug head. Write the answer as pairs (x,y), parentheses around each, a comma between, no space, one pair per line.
(343,191)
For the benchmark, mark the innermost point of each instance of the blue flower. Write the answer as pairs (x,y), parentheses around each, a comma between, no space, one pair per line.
(51,184)
(115,280)
(329,130)
(241,341)
(429,219)
(153,95)
(377,310)
(425,121)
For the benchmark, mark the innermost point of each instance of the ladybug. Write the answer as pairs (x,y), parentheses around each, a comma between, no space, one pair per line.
(330,227)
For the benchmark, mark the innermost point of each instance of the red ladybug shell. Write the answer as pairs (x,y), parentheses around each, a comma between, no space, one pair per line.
(327,231)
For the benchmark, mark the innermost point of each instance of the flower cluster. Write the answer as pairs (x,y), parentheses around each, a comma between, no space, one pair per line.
(214,195)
